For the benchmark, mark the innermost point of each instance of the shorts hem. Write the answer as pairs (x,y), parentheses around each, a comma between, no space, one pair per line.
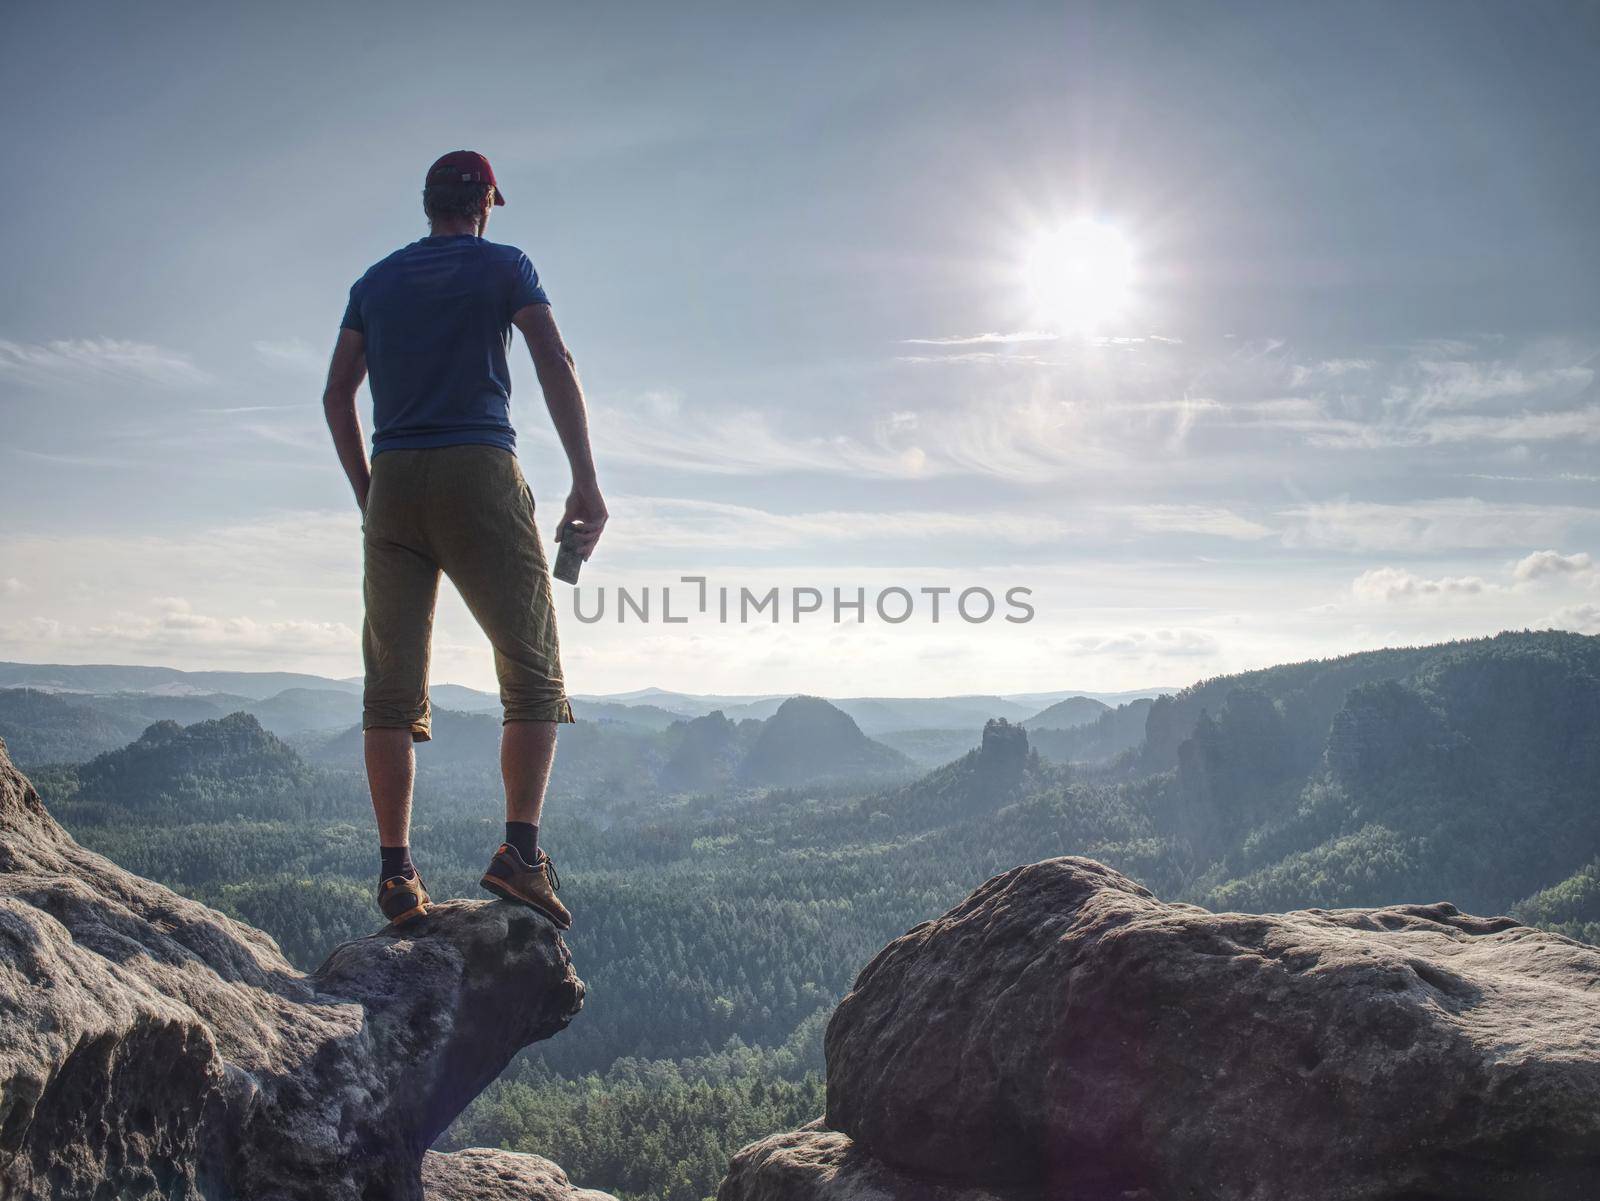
(559,711)
(421,730)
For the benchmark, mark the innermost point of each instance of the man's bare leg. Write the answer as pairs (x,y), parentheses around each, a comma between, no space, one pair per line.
(391,773)
(527,749)
(522,873)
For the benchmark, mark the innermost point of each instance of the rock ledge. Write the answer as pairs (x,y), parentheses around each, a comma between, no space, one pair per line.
(1062,1033)
(152,1047)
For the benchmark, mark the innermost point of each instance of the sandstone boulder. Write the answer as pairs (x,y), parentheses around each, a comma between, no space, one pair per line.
(152,1047)
(480,1174)
(1062,1033)
(818,1164)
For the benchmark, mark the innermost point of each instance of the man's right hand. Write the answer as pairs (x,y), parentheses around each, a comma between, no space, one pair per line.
(586,514)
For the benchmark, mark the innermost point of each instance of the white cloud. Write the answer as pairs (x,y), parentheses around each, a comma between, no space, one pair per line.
(139,637)
(30,631)
(88,361)
(11,586)
(1544,563)
(298,550)
(1388,585)
(169,629)
(241,635)
(1580,619)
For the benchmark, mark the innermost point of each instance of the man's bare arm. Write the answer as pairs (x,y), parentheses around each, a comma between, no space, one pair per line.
(345,373)
(563,396)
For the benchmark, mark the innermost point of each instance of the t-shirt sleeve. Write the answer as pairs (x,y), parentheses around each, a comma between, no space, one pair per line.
(352,311)
(525,286)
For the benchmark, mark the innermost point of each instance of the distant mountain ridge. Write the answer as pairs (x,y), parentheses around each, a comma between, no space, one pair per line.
(1066,714)
(653,708)
(881,715)
(109,677)
(808,740)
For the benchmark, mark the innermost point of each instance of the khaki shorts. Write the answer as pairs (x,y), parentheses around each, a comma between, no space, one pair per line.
(466,511)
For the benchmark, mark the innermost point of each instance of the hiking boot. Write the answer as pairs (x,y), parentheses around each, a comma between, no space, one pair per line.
(403,899)
(510,877)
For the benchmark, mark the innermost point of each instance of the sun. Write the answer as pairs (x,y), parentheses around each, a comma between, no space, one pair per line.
(1079,275)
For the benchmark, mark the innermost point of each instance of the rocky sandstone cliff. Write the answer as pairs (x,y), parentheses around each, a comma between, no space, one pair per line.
(1062,1035)
(152,1048)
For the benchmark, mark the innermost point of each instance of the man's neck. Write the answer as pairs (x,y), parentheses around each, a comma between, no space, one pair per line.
(454,229)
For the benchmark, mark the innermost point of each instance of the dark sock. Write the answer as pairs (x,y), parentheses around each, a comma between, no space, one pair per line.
(396,862)
(523,837)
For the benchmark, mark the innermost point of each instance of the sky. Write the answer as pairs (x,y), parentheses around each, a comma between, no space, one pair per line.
(1347,398)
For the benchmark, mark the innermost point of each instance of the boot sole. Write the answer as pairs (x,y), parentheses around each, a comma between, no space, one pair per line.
(505,894)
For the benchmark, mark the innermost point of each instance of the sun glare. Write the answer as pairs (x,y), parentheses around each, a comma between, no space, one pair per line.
(1079,275)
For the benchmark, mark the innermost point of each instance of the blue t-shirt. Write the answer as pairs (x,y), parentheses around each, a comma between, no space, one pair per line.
(437,320)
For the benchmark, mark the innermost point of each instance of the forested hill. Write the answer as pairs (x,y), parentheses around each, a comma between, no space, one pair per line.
(809,739)
(211,770)
(1468,771)
(41,727)
(1310,693)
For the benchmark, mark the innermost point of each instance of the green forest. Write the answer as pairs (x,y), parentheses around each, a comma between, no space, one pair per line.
(726,893)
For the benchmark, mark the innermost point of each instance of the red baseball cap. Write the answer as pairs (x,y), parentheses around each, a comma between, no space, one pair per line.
(464,166)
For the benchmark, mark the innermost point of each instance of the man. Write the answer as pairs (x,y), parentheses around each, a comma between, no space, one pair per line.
(444,492)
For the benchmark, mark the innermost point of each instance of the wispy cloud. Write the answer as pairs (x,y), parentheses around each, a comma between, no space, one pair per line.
(1156,643)
(642,523)
(984,339)
(304,436)
(1429,384)
(1263,393)
(979,356)
(98,361)
(1198,519)
(292,354)
(74,460)
(1320,372)
(1428,526)
(658,430)
(1581,425)
(1119,405)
